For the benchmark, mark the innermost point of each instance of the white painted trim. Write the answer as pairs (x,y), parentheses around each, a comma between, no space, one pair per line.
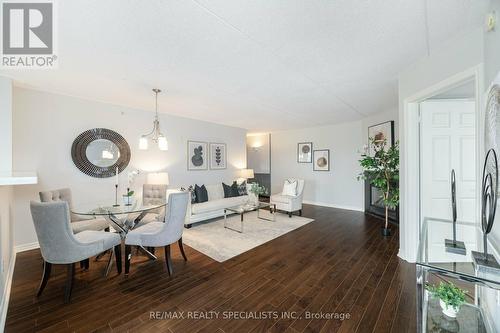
(26,247)
(409,156)
(324,204)
(4,305)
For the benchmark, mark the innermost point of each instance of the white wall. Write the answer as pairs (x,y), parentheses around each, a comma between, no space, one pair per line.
(258,153)
(45,126)
(5,125)
(452,57)
(492,46)
(6,193)
(338,187)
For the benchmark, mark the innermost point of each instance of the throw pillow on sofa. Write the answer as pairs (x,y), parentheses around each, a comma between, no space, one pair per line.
(193,193)
(242,188)
(230,191)
(201,193)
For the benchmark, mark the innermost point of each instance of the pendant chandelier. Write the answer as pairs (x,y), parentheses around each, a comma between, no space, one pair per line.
(155,135)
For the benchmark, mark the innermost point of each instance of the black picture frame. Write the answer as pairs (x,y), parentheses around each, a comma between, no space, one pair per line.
(391,125)
(310,144)
(314,159)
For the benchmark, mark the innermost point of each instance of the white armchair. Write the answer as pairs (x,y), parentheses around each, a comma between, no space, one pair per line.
(290,203)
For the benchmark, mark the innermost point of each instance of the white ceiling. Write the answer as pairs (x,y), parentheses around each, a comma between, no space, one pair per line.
(260,65)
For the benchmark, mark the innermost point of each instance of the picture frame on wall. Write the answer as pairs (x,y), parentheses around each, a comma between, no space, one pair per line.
(304,152)
(321,160)
(197,155)
(381,131)
(218,156)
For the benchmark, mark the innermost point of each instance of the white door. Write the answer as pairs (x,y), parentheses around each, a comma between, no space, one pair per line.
(448,142)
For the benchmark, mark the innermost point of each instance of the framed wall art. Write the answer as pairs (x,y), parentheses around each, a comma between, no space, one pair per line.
(321,160)
(304,152)
(218,156)
(379,132)
(197,155)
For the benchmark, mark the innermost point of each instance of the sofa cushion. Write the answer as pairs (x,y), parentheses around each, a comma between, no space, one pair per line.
(215,192)
(220,204)
(201,193)
(281,198)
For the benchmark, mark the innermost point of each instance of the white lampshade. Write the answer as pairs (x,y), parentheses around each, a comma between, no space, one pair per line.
(143,143)
(162,143)
(158,178)
(246,173)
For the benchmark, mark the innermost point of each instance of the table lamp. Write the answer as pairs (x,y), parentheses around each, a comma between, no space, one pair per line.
(247,174)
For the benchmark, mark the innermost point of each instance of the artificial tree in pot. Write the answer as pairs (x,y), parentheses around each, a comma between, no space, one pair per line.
(382,171)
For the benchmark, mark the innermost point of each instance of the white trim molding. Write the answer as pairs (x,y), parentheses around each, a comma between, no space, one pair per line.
(4,302)
(26,247)
(324,204)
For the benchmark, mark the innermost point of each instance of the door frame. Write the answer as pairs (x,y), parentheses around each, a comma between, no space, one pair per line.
(410,201)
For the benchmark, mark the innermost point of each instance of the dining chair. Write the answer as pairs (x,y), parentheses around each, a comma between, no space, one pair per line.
(153,194)
(60,246)
(78,223)
(161,234)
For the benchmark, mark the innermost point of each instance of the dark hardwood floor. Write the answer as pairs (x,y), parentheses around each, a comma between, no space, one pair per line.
(337,264)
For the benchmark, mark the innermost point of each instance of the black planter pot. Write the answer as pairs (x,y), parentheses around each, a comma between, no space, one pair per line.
(385,232)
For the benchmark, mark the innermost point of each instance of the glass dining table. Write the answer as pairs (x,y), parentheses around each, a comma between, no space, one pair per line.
(122,218)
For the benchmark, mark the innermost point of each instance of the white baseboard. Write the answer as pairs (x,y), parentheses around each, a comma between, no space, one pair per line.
(4,302)
(26,247)
(324,204)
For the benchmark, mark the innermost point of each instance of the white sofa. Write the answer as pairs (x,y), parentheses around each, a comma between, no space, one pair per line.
(215,205)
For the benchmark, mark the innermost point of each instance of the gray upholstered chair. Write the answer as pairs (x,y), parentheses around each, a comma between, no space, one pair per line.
(59,245)
(161,234)
(153,194)
(78,223)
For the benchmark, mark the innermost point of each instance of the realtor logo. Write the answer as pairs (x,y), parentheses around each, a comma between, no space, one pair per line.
(28,34)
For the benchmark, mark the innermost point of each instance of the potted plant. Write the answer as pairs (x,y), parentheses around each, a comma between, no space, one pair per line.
(382,171)
(450,297)
(257,190)
(127,198)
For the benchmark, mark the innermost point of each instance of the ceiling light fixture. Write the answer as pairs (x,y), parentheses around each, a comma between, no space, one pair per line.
(155,134)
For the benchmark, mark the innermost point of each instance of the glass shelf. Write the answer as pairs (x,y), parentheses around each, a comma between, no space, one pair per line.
(434,262)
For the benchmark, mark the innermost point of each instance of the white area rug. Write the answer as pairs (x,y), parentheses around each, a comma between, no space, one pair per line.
(221,244)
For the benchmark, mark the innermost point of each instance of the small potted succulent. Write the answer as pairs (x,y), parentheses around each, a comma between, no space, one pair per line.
(450,297)
(127,198)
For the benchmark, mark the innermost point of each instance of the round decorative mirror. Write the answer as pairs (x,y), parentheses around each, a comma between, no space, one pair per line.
(99,151)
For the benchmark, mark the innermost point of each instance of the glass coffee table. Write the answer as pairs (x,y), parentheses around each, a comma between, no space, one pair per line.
(246,208)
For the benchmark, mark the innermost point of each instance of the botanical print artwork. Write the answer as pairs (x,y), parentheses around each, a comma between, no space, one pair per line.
(304,152)
(197,155)
(218,156)
(321,160)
